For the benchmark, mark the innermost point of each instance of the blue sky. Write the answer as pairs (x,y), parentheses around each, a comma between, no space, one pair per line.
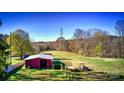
(45,26)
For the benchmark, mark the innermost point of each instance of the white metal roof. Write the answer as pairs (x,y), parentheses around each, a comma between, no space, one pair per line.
(39,56)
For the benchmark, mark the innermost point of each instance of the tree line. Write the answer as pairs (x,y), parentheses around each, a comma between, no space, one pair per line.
(91,42)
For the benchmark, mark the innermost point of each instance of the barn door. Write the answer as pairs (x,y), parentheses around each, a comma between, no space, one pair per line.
(43,64)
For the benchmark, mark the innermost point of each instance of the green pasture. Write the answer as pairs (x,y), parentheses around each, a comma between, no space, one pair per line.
(102,68)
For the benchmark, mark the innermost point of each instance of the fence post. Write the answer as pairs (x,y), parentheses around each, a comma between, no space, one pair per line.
(66,72)
(61,66)
(53,66)
(69,75)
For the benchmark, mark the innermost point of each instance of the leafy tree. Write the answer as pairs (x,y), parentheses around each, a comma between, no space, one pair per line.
(100,37)
(21,43)
(98,49)
(4,53)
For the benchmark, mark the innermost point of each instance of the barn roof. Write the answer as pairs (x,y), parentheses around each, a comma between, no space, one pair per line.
(39,56)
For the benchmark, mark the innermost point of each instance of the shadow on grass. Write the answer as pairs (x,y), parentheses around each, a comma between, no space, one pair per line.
(57,64)
(98,76)
(62,59)
(58,75)
(22,77)
(42,76)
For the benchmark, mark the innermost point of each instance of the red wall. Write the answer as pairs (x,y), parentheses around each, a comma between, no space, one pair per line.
(49,63)
(35,63)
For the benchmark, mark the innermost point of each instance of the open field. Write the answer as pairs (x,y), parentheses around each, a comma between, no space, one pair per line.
(109,65)
(103,68)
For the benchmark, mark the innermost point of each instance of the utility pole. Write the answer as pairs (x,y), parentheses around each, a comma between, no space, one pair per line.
(60,41)
(10,48)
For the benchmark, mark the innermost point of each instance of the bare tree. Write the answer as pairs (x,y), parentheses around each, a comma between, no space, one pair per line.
(79,34)
(120,32)
(83,41)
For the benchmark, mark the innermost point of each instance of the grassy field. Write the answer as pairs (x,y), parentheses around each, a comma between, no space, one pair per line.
(15,60)
(34,74)
(103,68)
(109,65)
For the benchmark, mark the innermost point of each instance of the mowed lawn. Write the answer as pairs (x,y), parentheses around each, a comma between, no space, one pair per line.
(109,65)
(103,68)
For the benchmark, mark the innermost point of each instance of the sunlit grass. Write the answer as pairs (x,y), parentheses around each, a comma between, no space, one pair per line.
(110,65)
(14,60)
(35,74)
(103,68)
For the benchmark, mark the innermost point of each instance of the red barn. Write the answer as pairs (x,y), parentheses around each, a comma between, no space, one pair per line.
(39,61)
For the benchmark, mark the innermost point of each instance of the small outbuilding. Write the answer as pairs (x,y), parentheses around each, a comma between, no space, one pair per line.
(40,61)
